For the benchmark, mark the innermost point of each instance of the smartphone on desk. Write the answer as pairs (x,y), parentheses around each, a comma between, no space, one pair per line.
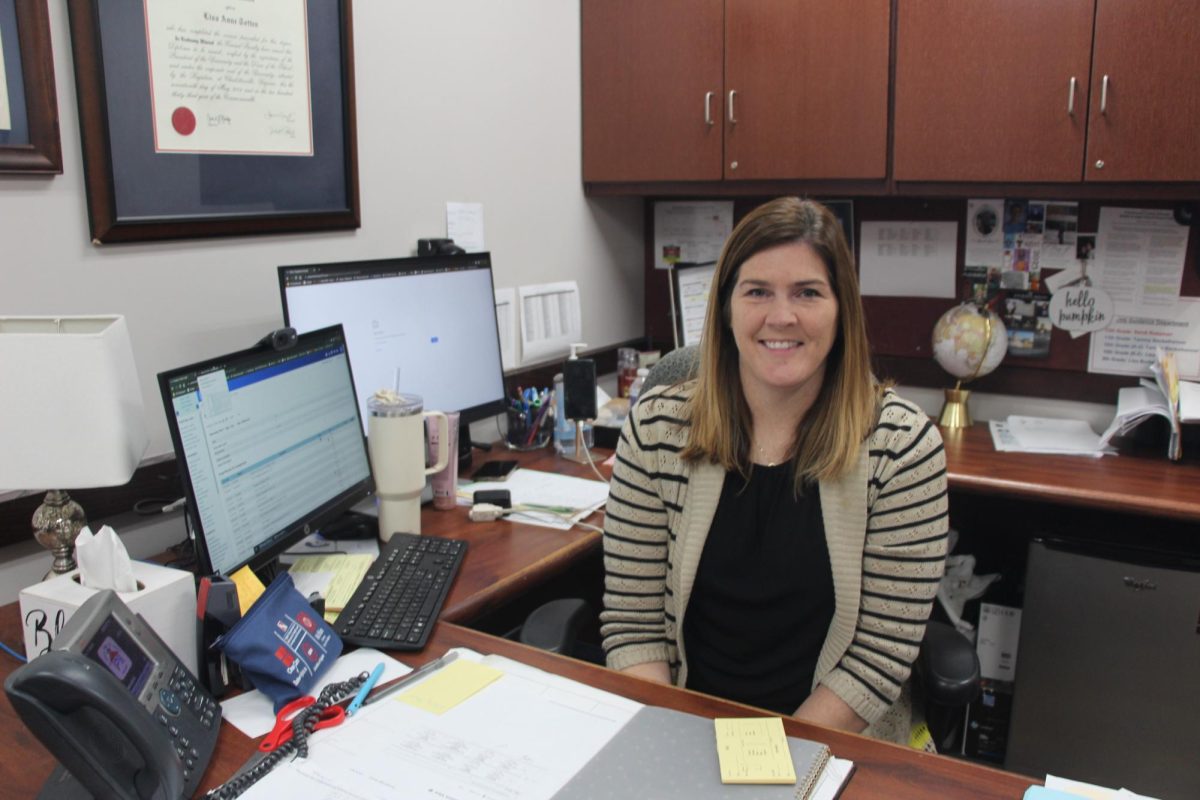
(497,470)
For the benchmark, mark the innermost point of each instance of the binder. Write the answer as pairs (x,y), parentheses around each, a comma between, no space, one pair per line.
(665,753)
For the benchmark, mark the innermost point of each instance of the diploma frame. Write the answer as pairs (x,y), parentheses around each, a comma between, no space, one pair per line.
(42,154)
(119,145)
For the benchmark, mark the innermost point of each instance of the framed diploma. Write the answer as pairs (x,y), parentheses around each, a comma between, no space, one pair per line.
(29,140)
(215,117)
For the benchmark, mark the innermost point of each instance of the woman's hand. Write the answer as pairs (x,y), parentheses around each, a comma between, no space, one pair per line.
(656,671)
(823,707)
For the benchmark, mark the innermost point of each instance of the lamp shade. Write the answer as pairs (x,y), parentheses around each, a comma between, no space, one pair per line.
(70,403)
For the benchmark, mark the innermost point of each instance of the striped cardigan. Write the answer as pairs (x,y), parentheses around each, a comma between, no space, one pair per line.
(885,525)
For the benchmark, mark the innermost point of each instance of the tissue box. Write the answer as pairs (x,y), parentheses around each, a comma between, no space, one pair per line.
(166,599)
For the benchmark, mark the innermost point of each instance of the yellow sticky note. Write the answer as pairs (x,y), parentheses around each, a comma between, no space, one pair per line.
(754,751)
(347,572)
(249,588)
(449,686)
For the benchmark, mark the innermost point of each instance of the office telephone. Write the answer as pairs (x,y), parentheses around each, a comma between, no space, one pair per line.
(117,709)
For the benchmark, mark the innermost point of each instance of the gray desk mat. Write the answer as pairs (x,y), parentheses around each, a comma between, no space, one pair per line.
(661,753)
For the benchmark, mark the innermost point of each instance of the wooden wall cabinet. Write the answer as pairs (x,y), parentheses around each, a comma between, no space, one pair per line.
(703,90)
(1022,91)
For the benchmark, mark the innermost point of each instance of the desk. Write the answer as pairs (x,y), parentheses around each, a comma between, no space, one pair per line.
(1143,484)
(884,770)
(505,560)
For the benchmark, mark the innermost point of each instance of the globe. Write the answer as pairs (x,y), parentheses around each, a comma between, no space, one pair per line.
(969,342)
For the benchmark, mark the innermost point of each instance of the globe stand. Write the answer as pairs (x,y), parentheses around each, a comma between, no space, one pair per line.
(955,412)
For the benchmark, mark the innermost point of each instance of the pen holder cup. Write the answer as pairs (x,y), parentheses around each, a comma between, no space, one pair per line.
(529,430)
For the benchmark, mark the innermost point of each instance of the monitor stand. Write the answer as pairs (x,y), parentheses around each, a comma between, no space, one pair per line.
(352,525)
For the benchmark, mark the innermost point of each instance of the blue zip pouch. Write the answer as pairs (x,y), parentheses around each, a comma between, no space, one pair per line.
(282,645)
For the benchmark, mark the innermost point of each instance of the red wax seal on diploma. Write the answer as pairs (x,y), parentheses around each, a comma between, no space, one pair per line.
(183,120)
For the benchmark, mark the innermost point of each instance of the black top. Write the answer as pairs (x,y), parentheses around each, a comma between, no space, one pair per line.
(763,600)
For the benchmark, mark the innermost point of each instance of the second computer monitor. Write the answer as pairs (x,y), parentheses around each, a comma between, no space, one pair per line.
(425,325)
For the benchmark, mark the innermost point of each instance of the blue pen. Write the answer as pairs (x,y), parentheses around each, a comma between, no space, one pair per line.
(372,679)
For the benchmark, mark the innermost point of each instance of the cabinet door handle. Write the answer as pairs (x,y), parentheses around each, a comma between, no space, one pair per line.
(732,116)
(708,120)
(1071,97)
(1104,95)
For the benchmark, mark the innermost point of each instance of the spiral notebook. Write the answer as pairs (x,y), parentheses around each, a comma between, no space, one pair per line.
(666,753)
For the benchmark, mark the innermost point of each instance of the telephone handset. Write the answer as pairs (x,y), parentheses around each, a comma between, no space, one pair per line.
(115,706)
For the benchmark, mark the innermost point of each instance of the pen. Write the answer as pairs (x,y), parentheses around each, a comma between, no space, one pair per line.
(400,684)
(366,688)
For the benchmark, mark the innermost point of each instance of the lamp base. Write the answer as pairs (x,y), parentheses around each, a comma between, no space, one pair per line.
(955,412)
(56,524)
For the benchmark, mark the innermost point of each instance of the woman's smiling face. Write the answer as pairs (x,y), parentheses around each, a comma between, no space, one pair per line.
(784,319)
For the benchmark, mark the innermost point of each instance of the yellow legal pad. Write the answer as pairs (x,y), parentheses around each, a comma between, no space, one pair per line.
(754,751)
(449,686)
(249,588)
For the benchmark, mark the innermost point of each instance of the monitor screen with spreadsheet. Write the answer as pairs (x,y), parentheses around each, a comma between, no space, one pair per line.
(269,444)
(425,325)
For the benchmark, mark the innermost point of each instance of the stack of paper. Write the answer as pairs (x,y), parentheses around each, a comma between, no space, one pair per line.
(1136,404)
(546,499)
(1066,789)
(1020,434)
(1166,396)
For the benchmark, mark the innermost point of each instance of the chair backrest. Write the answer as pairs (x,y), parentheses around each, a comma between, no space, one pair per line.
(676,366)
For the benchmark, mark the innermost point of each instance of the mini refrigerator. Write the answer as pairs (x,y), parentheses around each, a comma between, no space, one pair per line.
(1108,668)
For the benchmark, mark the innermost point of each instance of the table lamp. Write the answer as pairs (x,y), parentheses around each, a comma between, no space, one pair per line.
(70,415)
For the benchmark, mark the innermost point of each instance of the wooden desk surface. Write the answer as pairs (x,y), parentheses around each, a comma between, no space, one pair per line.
(507,558)
(1147,484)
(883,770)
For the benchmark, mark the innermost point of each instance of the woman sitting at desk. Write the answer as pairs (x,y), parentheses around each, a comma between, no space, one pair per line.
(776,527)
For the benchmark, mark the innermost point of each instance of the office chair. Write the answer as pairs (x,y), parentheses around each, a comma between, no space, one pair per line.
(947,667)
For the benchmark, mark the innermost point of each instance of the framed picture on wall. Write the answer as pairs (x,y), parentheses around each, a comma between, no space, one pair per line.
(29,141)
(212,118)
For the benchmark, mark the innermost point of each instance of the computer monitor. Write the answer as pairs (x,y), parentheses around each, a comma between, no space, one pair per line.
(269,444)
(425,325)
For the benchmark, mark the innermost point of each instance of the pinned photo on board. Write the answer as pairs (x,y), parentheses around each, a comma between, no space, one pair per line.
(1027,320)
(1085,246)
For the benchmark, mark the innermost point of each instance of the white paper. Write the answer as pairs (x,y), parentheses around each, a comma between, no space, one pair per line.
(1189,401)
(1127,346)
(695,285)
(1139,257)
(506,323)
(520,738)
(5,112)
(1085,791)
(253,714)
(530,486)
(999,630)
(836,771)
(908,259)
(1061,228)
(985,235)
(1067,275)
(229,78)
(690,232)
(464,224)
(550,319)
(1065,435)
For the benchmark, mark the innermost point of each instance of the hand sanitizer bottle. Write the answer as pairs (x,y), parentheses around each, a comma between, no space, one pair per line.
(564,429)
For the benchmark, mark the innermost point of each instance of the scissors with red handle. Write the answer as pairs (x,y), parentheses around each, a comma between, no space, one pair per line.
(282,732)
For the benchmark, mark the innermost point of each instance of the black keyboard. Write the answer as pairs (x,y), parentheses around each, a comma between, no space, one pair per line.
(398,601)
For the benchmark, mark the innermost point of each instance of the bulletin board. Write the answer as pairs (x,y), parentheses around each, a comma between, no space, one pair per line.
(900,328)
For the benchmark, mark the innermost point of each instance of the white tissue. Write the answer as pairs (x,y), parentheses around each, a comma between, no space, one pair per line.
(103,561)
(958,585)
